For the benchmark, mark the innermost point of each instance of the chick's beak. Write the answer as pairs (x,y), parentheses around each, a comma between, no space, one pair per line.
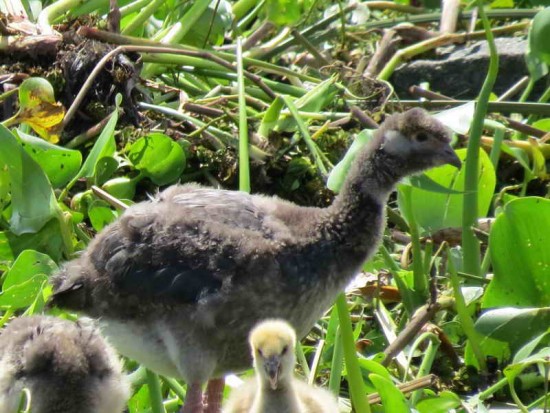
(449,156)
(272,368)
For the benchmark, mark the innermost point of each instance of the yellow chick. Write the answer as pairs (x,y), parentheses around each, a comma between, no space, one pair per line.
(275,389)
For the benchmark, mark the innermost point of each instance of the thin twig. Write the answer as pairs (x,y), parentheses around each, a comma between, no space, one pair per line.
(107,197)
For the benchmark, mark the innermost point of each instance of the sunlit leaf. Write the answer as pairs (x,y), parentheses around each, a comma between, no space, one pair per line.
(392,399)
(340,170)
(436,210)
(158,157)
(514,325)
(60,164)
(537,55)
(519,242)
(282,12)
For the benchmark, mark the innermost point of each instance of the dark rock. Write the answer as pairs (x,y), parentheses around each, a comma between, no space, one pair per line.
(458,71)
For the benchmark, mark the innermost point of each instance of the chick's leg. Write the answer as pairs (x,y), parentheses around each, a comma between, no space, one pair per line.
(193,399)
(214,395)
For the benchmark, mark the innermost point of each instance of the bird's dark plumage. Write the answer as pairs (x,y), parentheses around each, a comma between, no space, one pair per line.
(67,367)
(179,281)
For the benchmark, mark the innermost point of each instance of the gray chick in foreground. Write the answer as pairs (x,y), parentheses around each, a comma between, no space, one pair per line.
(178,282)
(274,389)
(67,368)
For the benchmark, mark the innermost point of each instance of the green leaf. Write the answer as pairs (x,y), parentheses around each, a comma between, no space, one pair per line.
(271,117)
(101,214)
(537,55)
(104,146)
(121,187)
(33,200)
(48,240)
(445,402)
(28,264)
(59,164)
(519,242)
(339,172)
(436,210)
(24,294)
(283,12)
(158,157)
(392,399)
(514,325)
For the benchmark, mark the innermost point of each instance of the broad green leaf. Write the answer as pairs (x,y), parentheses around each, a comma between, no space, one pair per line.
(48,240)
(101,214)
(519,242)
(392,399)
(283,12)
(528,349)
(514,325)
(121,187)
(214,22)
(339,172)
(59,164)
(33,200)
(4,186)
(444,402)
(24,294)
(434,211)
(158,157)
(28,264)
(537,55)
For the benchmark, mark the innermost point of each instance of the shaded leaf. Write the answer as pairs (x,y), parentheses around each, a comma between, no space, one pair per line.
(33,200)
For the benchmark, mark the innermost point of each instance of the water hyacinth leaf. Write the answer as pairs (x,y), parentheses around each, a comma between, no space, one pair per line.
(340,170)
(4,187)
(105,168)
(28,264)
(514,325)
(121,187)
(60,164)
(436,210)
(283,12)
(519,242)
(213,22)
(444,402)
(38,109)
(48,241)
(33,201)
(158,157)
(24,294)
(538,50)
(392,399)
(528,349)
(101,214)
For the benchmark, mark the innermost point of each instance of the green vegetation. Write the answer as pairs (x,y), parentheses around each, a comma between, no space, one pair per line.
(266,96)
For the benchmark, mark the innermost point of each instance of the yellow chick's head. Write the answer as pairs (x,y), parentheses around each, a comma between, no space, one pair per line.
(272,343)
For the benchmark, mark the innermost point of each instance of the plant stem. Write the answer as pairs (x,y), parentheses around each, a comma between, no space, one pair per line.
(464,316)
(155,394)
(355,378)
(470,243)
(244,160)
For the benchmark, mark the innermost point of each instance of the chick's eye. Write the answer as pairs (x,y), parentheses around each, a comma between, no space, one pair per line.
(285,349)
(422,137)
(260,352)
